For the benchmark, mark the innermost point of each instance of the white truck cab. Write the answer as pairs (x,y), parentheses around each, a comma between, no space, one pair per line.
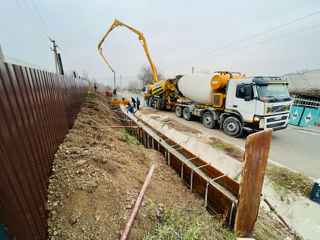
(254,104)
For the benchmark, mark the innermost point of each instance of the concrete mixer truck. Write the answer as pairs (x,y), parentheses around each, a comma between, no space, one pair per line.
(233,101)
(163,94)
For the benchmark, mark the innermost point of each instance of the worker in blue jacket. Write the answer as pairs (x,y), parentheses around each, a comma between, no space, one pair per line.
(130,108)
(138,103)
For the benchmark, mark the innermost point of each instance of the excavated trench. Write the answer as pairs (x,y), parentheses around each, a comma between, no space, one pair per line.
(218,190)
(97,175)
(98,172)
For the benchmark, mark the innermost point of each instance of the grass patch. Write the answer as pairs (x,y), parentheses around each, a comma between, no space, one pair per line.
(93,144)
(126,137)
(181,224)
(227,148)
(281,178)
(269,228)
(289,180)
(128,162)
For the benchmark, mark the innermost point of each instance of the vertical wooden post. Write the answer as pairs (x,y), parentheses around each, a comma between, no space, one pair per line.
(253,171)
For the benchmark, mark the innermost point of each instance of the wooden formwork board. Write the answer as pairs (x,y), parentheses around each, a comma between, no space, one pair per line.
(219,195)
(256,158)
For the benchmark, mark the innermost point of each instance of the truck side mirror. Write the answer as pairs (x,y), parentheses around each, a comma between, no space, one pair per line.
(248,93)
(247,98)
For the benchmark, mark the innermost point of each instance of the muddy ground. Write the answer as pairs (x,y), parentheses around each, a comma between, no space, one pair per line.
(97,175)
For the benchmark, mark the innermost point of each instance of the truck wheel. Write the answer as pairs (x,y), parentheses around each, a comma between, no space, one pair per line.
(232,127)
(186,114)
(208,121)
(148,102)
(155,104)
(178,111)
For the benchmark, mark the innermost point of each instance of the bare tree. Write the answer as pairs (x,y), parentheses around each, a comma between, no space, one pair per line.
(146,76)
(85,75)
(133,86)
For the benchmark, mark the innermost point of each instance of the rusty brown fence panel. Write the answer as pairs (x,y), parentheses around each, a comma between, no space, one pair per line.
(37,109)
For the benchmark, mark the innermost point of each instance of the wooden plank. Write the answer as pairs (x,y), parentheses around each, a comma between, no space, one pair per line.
(227,182)
(219,199)
(256,158)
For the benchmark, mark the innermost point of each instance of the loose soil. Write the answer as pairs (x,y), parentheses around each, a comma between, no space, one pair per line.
(97,175)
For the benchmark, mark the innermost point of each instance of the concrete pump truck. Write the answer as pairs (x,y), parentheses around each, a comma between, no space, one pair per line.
(161,93)
(230,100)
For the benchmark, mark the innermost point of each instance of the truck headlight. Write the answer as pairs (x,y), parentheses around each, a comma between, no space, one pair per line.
(261,123)
(288,107)
(256,119)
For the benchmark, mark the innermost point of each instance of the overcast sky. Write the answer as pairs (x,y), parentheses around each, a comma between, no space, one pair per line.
(176,33)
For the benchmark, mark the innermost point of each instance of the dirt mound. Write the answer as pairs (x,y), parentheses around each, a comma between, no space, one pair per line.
(97,176)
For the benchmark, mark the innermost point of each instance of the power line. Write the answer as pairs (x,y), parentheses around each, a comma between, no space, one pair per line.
(44,34)
(32,23)
(39,15)
(263,41)
(250,37)
(43,29)
(75,63)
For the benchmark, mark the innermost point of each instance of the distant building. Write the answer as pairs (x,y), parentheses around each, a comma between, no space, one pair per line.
(20,62)
(306,81)
(7,59)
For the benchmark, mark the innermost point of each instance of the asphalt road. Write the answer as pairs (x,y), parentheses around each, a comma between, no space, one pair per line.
(295,147)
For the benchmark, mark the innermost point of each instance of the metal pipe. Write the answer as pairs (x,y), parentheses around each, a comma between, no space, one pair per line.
(124,127)
(122,119)
(135,209)
(203,166)
(231,211)
(278,215)
(207,188)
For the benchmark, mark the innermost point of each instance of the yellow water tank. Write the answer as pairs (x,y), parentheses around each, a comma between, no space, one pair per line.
(219,81)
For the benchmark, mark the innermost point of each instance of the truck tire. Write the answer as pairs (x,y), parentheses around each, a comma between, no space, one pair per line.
(155,104)
(148,102)
(208,121)
(178,111)
(186,114)
(232,126)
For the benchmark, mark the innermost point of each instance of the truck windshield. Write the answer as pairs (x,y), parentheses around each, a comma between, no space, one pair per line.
(273,93)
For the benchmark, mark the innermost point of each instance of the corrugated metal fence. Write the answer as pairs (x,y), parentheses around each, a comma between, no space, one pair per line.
(37,109)
(304,112)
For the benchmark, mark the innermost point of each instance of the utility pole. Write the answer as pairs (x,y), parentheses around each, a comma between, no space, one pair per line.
(54,49)
(57,58)
(120,82)
(60,64)
(192,70)
(114,80)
